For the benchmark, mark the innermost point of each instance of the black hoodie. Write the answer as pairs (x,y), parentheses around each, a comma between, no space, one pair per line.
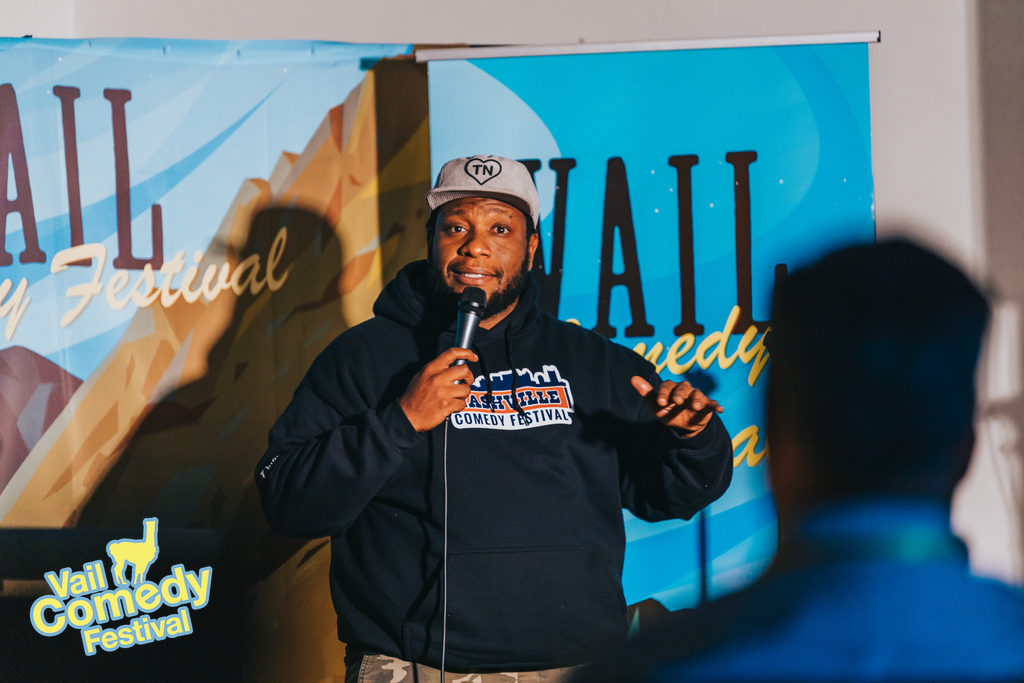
(536,486)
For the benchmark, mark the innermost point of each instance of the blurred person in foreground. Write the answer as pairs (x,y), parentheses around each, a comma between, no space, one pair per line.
(870,412)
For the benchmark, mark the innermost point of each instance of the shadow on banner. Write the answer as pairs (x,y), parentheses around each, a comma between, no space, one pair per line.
(172,422)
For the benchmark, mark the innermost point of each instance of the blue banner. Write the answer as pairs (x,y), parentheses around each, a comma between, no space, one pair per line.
(676,187)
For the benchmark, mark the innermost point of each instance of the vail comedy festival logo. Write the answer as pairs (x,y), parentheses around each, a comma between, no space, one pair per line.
(87,602)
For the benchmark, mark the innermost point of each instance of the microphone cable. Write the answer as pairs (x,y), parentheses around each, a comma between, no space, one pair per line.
(444,553)
(471,308)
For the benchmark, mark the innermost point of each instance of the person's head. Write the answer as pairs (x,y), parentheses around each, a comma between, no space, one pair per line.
(482,231)
(873,351)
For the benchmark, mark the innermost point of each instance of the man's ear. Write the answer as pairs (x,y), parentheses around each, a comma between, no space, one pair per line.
(531,245)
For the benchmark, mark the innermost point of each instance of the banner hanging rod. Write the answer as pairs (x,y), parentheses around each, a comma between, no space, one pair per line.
(439,54)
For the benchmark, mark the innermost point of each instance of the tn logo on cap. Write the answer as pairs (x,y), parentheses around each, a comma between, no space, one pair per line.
(482,170)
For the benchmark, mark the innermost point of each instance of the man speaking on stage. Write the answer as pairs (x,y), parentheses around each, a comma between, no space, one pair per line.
(475,510)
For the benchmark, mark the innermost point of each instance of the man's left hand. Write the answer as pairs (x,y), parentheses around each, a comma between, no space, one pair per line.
(678,405)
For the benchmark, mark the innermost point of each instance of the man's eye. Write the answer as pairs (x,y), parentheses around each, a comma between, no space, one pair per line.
(500,229)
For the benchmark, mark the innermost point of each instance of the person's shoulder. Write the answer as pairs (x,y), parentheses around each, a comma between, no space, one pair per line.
(363,343)
(358,335)
(1000,595)
(590,343)
(576,332)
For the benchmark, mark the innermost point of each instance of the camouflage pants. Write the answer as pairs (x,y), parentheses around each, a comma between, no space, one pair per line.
(382,669)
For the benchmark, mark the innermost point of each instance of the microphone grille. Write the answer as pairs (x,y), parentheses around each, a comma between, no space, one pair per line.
(473,297)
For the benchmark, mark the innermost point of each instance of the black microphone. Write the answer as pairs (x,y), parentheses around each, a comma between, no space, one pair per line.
(471,311)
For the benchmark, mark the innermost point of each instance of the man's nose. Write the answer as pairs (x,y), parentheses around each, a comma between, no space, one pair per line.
(474,244)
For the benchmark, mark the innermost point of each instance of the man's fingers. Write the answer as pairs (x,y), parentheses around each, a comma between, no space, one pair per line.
(438,389)
(671,401)
(679,393)
(666,391)
(453,354)
(685,394)
(453,405)
(705,404)
(684,417)
(456,374)
(642,386)
(670,412)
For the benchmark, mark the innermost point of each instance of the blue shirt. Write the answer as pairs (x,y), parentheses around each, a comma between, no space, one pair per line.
(869,590)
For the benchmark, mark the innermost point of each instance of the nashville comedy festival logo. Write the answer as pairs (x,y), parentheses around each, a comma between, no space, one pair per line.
(86,601)
(543,398)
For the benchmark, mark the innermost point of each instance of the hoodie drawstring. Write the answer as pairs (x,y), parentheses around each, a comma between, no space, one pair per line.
(487,377)
(515,375)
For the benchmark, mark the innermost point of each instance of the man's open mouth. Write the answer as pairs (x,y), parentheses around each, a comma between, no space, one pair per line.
(471,277)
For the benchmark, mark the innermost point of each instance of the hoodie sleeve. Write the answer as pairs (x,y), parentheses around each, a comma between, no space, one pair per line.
(667,475)
(323,467)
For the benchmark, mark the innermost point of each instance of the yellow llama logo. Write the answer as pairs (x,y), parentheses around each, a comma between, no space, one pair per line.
(84,600)
(139,554)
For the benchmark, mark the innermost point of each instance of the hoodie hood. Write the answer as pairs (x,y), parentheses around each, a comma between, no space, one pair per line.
(407,301)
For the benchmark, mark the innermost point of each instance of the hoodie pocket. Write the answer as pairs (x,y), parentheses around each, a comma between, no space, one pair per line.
(540,606)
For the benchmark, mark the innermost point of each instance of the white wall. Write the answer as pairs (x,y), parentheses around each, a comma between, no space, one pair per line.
(39,18)
(920,73)
(924,88)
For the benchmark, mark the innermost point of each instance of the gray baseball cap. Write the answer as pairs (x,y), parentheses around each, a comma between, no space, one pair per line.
(487,176)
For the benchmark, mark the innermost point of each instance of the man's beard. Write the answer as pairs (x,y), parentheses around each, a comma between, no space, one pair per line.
(447,299)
